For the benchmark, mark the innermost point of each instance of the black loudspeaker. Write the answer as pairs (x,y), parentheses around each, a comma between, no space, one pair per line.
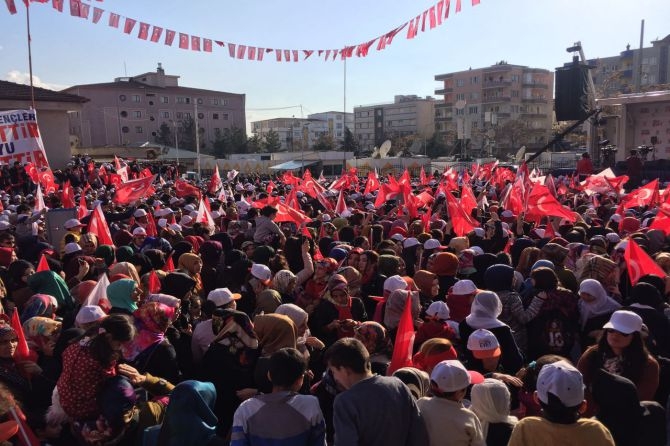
(571,102)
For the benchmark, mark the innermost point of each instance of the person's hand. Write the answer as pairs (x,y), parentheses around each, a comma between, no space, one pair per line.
(29,368)
(84,268)
(333,325)
(309,375)
(245,394)
(133,375)
(314,342)
(508,379)
(305,246)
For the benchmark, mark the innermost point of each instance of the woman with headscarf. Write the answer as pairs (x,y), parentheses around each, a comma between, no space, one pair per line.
(485,311)
(274,331)
(123,296)
(445,267)
(179,249)
(127,269)
(500,279)
(179,284)
(48,282)
(39,305)
(284,283)
(267,301)
(395,306)
(491,404)
(123,253)
(81,291)
(210,253)
(191,264)
(604,271)
(305,341)
(416,380)
(481,264)
(105,252)
(190,419)
(196,241)
(647,302)
(595,309)
(378,344)
(353,279)
(150,351)
(17,284)
(337,313)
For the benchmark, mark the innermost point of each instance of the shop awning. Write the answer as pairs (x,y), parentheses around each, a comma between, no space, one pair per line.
(293,165)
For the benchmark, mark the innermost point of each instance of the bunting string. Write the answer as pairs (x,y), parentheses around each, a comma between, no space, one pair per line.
(431,18)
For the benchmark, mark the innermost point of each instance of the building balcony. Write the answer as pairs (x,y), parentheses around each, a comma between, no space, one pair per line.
(496,84)
(443,118)
(535,85)
(443,105)
(444,90)
(441,77)
(503,115)
(627,54)
(534,100)
(496,100)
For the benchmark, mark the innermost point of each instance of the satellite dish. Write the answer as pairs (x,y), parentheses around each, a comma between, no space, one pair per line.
(375,153)
(460,104)
(520,154)
(385,149)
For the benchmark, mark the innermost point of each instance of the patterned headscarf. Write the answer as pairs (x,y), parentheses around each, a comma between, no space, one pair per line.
(38,331)
(373,336)
(151,320)
(282,280)
(39,305)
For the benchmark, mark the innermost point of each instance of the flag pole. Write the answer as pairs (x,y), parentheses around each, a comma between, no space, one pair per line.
(30,56)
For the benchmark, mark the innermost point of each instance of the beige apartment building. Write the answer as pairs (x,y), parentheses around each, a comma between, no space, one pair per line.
(478,103)
(406,115)
(130,110)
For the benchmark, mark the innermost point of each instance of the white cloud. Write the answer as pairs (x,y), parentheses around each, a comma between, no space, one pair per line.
(24,78)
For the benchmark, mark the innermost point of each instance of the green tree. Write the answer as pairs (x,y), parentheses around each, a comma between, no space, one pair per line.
(165,135)
(512,134)
(324,143)
(349,144)
(271,144)
(228,141)
(186,134)
(435,146)
(254,144)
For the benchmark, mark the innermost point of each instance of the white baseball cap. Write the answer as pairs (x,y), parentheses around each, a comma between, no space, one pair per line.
(432,243)
(88,314)
(409,242)
(139,213)
(451,376)
(464,287)
(398,237)
(71,247)
(162,222)
(479,232)
(625,322)
(72,223)
(439,310)
(564,381)
(394,283)
(175,227)
(139,231)
(483,344)
(261,272)
(185,220)
(174,200)
(189,207)
(222,296)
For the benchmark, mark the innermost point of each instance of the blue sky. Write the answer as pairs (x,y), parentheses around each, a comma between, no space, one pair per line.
(69,51)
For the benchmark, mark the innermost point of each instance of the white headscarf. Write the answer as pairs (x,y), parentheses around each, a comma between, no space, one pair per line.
(484,312)
(491,403)
(603,304)
(298,316)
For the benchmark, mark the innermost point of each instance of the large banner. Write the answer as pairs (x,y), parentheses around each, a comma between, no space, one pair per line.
(20,138)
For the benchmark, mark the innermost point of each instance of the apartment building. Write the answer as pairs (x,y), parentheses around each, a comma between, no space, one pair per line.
(406,115)
(130,110)
(479,101)
(336,123)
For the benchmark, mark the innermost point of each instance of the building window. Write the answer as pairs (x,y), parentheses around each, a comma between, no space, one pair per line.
(225,116)
(515,93)
(125,129)
(339,134)
(122,97)
(474,95)
(180,115)
(515,78)
(475,125)
(215,116)
(460,96)
(187,115)
(214,101)
(224,101)
(139,129)
(474,80)
(473,110)
(460,112)
(338,117)
(165,100)
(135,98)
(137,114)
(124,114)
(201,116)
(165,115)
(460,82)
(338,125)
(183,100)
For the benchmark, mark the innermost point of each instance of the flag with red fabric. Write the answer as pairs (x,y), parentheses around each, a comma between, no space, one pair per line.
(341,205)
(288,178)
(425,220)
(82,210)
(154,282)
(204,216)
(468,200)
(541,203)
(134,190)
(145,173)
(67,196)
(215,182)
(461,221)
(43,265)
(152,230)
(48,181)
(169,265)
(662,221)
(185,189)
(31,170)
(288,214)
(646,195)
(309,186)
(22,352)
(404,340)
(640,264)
(98,225)
(271,186)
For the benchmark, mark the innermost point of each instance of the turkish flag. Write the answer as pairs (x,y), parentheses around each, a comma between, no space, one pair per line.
(97,14)
(84,9)
(185,189)
(67,196)
(461,221)
(288,214)
(146,172)
(639,263)
(271,186)
(169,265)
(204,215)
(215,182)
(114,20)
(372,183)
(468,200)
(74,8)
(31,170)
(129,25)
(541,203)
(133,190)
(98,225)
(11,6)
(646,195)
(82,209)
(154,283)
(183,41)
(98,295)
(328,206)
(144,31)
(662,221)
(43,265)
(169,37)
(404,339)
(207,45)
(195,43)
(152,231)
(341,206)
(22,353)
(47,181)
(310,186)
(156,33)
(292,199)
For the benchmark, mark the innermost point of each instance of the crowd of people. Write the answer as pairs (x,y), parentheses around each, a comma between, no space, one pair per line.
(365,320)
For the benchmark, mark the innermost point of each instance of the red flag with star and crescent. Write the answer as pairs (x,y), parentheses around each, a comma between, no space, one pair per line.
(134,190)
(639,263)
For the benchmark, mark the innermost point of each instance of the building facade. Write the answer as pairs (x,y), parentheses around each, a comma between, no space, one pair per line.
(131,110)
(299,134)
(406,115)
(501,106)
(633,70)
